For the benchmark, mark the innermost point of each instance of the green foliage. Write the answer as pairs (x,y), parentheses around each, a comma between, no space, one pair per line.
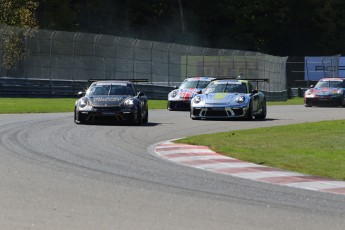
(18,13)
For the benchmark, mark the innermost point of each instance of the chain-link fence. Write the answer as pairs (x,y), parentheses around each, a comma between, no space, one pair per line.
(81,56)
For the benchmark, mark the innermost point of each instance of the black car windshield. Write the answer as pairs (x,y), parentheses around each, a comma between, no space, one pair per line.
(194,84)
(226,87)
(330,84)
(110,89)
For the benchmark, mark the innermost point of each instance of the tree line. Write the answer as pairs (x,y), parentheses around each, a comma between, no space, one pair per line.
(276,27)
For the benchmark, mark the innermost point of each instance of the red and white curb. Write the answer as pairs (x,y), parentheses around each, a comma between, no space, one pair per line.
(204,158)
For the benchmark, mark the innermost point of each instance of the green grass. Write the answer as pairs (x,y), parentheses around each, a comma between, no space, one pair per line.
(292,101)
(54,105)
(51,105)
(36,105)
(310,148)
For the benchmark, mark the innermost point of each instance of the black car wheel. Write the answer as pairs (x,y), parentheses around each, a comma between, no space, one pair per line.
(146,118)
(138,117)
(77,118)
(249,115)
(263,113)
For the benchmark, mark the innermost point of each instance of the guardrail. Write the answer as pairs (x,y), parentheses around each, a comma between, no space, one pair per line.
(45,88)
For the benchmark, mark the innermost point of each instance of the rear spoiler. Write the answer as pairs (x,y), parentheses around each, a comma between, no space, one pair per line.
(248,79)
(256,80)
(90,81)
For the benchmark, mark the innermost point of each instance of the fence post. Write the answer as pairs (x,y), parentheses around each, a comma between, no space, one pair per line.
(169,47)
(74,39)
(152,44)
(134,46)
(94,54)
(219,54)
(189,48)
(50,54)
(203,61)
(115,54)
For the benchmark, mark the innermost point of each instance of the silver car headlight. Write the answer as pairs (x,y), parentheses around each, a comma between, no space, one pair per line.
(240,99)
(197,99)
(83,103)
(129,103)
(173,93)
(308,92)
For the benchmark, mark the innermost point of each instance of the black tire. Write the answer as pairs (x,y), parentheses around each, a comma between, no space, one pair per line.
(263,113)
(138,119)
(146,119)
(307,104)
(249,115)
(77,118)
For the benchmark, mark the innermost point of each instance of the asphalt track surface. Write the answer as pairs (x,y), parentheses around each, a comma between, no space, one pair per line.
(58,175)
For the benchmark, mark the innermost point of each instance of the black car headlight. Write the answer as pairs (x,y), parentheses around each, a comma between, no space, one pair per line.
(240,99)
(129,103)
(83,102)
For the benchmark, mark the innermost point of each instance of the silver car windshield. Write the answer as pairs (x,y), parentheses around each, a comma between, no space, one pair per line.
(226,87)
(194,84)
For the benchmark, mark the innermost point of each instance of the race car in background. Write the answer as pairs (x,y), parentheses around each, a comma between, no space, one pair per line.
(179,98)
(229,98)
(326,92)
(112,101)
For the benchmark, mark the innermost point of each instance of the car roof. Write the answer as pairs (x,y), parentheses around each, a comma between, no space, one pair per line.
(111,82)
(231,80)
(200,78)
(332,79)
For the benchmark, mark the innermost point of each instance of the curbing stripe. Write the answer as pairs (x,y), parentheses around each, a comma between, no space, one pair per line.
(202,157)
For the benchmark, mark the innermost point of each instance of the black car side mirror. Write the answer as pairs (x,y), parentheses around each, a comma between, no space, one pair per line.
(81,94)
(199,91)
(255,91)
(175,87)
(140,94)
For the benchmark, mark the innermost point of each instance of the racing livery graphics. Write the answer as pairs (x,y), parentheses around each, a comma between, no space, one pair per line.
(179,98)
(229,98)
(327,92)
(111,101)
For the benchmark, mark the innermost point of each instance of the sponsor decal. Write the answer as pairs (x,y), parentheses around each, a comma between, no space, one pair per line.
(220,96)
(106,99)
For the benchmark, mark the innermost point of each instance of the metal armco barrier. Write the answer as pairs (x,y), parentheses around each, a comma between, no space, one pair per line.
(45,88)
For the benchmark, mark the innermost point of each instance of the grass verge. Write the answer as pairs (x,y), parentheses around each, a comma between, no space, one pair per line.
(51,105)
(54,105)
(309,148)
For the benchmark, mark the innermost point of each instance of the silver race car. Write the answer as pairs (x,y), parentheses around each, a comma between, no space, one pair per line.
(229,98)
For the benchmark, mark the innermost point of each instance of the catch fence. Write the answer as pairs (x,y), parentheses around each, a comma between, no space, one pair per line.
(59,55)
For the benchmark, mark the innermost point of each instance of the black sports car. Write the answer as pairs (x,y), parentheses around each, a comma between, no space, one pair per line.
(111,100)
